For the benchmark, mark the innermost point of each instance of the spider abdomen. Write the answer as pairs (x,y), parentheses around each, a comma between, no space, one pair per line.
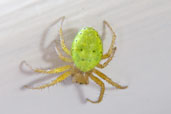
(87,49)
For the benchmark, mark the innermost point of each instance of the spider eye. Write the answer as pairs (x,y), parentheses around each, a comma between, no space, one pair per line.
(94,51)
(81,49)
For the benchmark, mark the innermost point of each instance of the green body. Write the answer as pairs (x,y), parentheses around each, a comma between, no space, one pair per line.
(87,49)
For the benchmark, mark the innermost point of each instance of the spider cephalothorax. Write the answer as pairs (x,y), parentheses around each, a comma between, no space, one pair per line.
(86,54)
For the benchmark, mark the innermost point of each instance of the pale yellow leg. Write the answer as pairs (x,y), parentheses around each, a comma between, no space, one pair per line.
(52,71)
(62,39)
(101,84)
(108,60)
(59,79)
(103,76)
(66,59)
(87,78)
(108,54)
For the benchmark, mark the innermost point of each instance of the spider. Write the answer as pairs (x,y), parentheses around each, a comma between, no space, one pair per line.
(85,54)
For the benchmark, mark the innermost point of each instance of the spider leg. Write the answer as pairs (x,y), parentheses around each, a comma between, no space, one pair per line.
(62,40)
(52,71)
(103,76)
(66,59)
(108,54)
(108,60)
(59,79)
(101,84)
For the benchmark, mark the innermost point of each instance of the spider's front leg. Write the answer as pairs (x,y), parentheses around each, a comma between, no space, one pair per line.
(59,79)
(103,76)
(101,84)
(52,71)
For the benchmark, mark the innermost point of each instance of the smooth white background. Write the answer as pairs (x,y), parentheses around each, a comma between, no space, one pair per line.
(142,60)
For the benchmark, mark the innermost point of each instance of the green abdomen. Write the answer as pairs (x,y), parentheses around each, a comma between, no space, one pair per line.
(87,49)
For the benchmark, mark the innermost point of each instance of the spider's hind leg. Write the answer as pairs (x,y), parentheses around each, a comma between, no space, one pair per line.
(66,59)
(111,51)
(108,54)
(64,47)
(62,39)
(108,60)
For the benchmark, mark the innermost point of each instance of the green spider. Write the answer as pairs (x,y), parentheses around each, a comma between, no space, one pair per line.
(85,54)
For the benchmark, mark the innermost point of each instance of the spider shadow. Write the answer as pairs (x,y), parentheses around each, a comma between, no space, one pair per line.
(94,86)
(80,93)
(49,54)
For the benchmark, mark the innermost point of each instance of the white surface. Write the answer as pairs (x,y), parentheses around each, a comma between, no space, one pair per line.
(142,61)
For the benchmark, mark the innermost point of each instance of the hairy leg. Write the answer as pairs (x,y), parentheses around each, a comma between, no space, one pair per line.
(52,71)
(101,84)
(108,54)
(59,79)
(108,60)
(103,76)
(66,59)
(62,40)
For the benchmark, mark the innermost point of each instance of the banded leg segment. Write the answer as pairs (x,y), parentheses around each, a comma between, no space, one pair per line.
(101,84)
(59,79)
(103,76)
(108,60)
(108,54)
(62,40)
